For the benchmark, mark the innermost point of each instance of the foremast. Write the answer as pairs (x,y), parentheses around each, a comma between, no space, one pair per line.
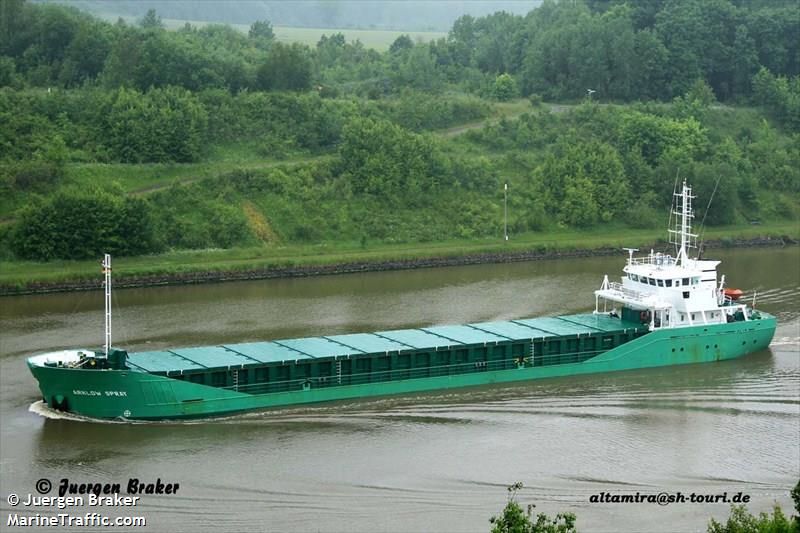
(107,286)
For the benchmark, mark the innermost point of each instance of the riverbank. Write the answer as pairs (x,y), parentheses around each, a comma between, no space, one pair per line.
(212,266)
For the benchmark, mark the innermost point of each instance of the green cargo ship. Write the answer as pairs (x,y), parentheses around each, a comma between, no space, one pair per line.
(665,311)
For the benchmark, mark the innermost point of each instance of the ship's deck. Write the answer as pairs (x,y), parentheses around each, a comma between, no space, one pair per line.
(433,338)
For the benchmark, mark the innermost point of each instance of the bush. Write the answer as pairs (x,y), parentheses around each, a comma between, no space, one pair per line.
(381,159)
(741,521)
(80,224)
(161,125)
(514,520)
(504,88)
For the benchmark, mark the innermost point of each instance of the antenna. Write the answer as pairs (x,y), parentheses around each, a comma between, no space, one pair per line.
(703,222)
(630,254)
(107,284)
(672,203)
(505,212)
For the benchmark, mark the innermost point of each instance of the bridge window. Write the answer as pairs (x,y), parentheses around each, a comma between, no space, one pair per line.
(660,282)
(695,281)
(634,277)
(651,281)
(668,282)
(685,281)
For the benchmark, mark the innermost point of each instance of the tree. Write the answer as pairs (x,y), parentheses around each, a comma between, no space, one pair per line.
(401,44)
(699,36)
(504,88)
(10,19)
(331,49)
(649,62)
(514,520)
(79,224)
(286,68)
(419,71)
(579,208)
(382,159)
(780,95)
(741,521)
(262,33)
(746,64)
(86,54)
(701,93)
(8,71)
(151,20)
(157,126)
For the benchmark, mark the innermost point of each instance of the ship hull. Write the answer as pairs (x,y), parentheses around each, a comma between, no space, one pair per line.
(135,395)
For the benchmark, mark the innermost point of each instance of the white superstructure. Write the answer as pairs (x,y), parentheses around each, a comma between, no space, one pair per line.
(671,292)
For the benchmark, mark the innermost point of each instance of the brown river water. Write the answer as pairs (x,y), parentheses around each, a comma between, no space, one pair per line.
(424,462)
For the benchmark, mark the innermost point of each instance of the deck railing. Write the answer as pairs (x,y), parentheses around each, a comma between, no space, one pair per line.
(629,294)
(658,260)
(399,374)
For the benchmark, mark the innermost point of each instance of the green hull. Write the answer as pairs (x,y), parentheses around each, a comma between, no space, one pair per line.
(136,395)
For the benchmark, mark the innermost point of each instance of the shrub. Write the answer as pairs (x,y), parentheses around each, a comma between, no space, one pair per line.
(80,224)
(514,520)
(161,125)
(504,88)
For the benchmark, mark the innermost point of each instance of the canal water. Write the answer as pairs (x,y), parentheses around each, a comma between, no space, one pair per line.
(436,461)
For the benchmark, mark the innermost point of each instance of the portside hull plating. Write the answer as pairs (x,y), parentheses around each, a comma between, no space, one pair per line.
(134,395)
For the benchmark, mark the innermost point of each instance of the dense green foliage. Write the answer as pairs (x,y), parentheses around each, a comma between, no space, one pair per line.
(622,49)
(780,96)
(160,125)
(385,183)
(81,97)
(742,521)
(514,520)
(604,164)
(76,224)
(172,124)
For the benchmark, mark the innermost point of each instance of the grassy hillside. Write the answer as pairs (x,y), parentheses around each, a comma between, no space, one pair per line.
(294,210)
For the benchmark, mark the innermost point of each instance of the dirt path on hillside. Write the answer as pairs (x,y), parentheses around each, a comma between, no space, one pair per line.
(462,128)
(248,166)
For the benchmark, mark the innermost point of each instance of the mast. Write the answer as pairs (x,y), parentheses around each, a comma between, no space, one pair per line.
(505,212)
(107,285)
(682,234)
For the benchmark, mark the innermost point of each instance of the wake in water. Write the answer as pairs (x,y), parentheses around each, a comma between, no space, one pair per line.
(42,409)
(785,341)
